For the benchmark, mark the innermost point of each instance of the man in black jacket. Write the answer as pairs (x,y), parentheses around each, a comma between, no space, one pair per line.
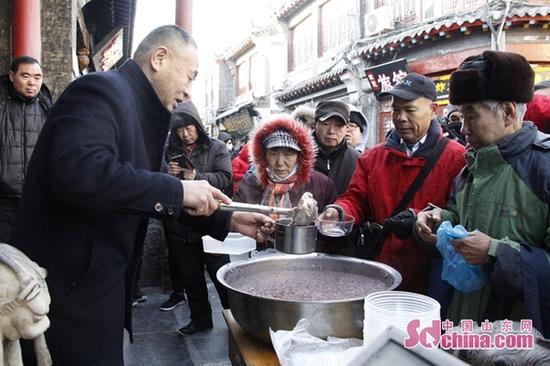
(94,179)
(192,155)
(335,158)
(24,105)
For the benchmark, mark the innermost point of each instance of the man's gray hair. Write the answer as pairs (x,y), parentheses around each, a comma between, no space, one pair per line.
(167,35)
(493,105)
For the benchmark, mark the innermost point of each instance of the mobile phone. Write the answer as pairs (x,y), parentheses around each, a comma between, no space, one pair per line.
(183,161)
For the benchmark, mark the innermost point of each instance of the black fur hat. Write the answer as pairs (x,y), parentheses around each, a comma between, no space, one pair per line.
(502,76)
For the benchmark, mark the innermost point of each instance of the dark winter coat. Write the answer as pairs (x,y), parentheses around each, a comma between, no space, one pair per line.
(210,158)
(20,123)
(338,164)
(92,180)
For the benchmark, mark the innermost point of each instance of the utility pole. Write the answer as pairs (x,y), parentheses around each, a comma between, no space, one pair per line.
(184,14)
(26,36)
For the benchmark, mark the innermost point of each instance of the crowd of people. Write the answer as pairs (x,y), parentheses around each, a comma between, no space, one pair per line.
(120,147)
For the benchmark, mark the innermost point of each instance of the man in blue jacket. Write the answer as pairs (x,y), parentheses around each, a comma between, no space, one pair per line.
(93,181)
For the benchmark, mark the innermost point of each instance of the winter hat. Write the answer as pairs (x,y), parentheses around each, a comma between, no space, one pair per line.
(502,76)
(304,114)
(332,108)
(301,135)
(451,108)
(185,114)
(281,138)
(413,86)
(357,117)
(224,136)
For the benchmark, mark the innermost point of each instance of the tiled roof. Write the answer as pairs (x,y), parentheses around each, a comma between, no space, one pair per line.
(107,15)
(289,7)
(247,44)
(312,85)
(518,12)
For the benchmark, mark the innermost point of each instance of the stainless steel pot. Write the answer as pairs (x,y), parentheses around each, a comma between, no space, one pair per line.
(295,239)
(340,318)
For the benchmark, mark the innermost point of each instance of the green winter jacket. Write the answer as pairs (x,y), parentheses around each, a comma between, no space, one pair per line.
(504,192)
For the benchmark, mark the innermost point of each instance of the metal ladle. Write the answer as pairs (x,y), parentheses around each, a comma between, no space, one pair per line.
(303,214)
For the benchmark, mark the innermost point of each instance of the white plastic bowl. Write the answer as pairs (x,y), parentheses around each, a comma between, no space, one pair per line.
(234,244)
(397,308)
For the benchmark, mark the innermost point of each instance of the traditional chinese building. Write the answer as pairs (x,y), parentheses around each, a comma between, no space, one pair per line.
(238,88)
(319,36)
(396,37)
(434,40)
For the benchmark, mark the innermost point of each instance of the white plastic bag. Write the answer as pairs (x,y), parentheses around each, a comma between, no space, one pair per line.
(298,348)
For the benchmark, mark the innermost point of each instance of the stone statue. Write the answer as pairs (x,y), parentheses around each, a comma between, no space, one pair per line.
(24,305)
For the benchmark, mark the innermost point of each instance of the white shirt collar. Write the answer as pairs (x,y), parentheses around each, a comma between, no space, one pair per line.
(412,150)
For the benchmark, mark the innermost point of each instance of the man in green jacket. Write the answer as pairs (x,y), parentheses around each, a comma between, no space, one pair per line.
(502,196)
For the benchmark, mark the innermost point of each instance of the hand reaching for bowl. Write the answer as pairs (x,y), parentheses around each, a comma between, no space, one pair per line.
(333,222)
(329,214)
(254,225)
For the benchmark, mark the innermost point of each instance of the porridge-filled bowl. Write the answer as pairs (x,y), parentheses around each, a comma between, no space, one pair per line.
(275,291)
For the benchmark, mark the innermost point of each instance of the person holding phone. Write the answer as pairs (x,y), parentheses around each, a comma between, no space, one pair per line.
(192,155)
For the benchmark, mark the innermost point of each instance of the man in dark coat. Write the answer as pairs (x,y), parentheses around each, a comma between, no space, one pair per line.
(335,158)
(93,180)
(24,105)
(192,155)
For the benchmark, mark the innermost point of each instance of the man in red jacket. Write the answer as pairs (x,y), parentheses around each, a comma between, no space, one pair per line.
(385,172)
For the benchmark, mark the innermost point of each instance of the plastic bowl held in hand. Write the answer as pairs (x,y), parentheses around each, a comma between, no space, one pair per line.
(336,228)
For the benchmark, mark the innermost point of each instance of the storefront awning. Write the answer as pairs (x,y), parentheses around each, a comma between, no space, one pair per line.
(454,22)
(323,81)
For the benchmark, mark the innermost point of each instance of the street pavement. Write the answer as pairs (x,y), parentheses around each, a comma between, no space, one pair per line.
(156,342)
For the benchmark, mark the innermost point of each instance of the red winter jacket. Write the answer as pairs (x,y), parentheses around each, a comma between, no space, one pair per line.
(239,165)
(382,176)
(538,112)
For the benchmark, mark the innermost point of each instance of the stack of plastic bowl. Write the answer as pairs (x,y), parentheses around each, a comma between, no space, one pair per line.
(396,308)
(236,245)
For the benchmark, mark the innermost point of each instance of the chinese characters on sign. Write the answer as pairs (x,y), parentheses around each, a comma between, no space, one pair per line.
(239,122)
(442,89)
(384,77)
(492,336)
(110,50)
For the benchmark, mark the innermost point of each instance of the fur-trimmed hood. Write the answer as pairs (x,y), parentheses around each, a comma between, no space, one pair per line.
(306,158)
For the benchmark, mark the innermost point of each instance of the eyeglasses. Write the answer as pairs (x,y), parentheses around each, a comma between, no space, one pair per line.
(353,126)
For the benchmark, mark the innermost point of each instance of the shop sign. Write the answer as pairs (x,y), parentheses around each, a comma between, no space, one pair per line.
(239,122)
(442,89)
(542,73)
(384,77)
(109,50)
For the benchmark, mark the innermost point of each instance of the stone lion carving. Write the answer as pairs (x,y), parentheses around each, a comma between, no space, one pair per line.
(24,305)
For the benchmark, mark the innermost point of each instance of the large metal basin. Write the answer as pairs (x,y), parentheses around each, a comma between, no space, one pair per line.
(341,318)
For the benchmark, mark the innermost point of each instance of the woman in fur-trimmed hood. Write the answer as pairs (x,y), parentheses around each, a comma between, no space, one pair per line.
(283,152)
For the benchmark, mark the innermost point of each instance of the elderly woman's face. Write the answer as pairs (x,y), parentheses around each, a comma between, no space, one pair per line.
(281,160)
